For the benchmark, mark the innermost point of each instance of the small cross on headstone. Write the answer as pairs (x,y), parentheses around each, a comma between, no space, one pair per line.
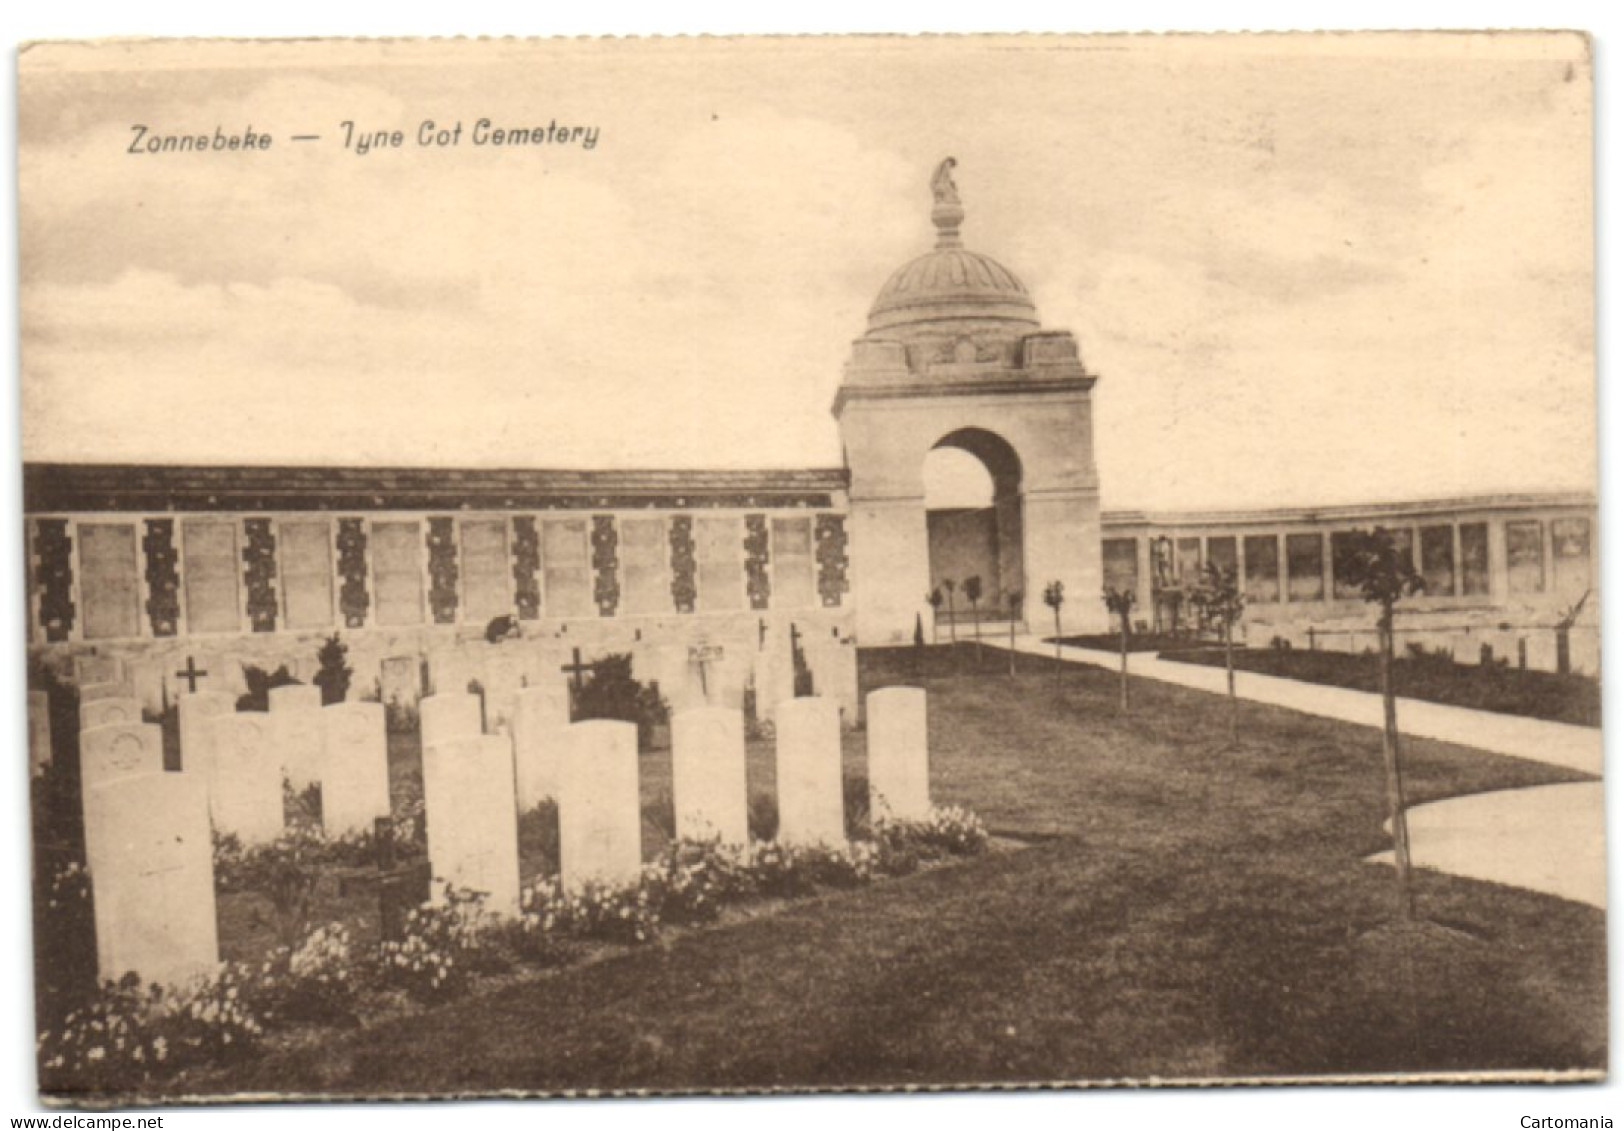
(191,673)
(577,669)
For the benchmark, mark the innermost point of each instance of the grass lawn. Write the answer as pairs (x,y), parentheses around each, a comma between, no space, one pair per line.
(1184,910)
(1558,698)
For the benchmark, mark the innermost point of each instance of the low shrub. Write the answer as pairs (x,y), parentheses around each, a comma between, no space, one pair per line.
(623,913)
(441,947)
(538,835)
(317,980)
(763,816)
(948,830)
(127,1033)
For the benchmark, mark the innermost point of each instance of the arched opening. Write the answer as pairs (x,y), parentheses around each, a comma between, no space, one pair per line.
(973,520)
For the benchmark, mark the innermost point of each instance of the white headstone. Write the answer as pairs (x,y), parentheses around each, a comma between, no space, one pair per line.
(294,697)
(355,767)
(39,732)
(400,680)
(774,680)
(686,674)
(152,874)
(898,759)
(834,673)
(542,715)
(600,821)
(119,750)
(708,784)
(810,805)
(97,669)
(106,712)
(446,718)
(473,827)
(246,794)
(503,678)
(196,740)
(92,691)
(451,670)
(297,732)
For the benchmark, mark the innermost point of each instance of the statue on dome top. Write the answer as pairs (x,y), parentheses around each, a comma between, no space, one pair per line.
(941,183)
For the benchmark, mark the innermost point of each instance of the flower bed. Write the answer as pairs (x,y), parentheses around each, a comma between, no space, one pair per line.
(125,1036)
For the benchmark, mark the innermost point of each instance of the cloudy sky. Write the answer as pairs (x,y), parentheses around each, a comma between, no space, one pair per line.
(1305,269)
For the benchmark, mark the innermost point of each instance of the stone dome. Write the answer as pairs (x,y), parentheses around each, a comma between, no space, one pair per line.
(950,284)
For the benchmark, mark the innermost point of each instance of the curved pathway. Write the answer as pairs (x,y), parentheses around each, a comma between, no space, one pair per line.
(1549,838)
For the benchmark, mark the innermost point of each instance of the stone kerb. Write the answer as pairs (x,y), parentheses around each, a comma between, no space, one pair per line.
(810,806)
(245,795)
(354,767)
(542,714)
(106,712)
(600,819)
(152,873)
(448,717)
(472,824)
(708,785)
(898,754)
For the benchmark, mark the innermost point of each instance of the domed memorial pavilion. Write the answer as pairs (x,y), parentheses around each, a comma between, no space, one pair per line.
(955,357)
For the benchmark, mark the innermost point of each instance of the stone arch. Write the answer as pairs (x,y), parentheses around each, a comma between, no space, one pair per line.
(984,541)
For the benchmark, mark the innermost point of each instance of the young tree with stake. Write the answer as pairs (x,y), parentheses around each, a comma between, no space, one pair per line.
(952,616)
(1220,602)
(1384,574)
(1014,615)
(972,593)
(1054,595)
(935,600)
(1119,603)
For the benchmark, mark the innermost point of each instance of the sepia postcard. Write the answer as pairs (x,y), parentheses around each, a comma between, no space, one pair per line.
(743,565)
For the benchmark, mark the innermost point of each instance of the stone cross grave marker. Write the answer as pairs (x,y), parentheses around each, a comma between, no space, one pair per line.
(297,733)
(196,740)
(448,717)
(399,887)
(600,820)
(810,805)
(105,712)
(473,828)
(152,874)
(191,673)
(354,768)
(708,784)
(39,732)
(247,794)
(898,759)
(541,717)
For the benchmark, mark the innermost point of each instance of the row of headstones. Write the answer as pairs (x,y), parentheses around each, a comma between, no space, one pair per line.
(474,784)
(148,831)
(242,757)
